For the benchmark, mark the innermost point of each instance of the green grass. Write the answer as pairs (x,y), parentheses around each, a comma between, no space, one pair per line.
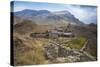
(76,42)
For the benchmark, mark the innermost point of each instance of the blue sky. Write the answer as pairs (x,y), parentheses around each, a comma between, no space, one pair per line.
(85,13)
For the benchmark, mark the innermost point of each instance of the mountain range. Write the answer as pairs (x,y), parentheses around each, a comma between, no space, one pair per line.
(47,17)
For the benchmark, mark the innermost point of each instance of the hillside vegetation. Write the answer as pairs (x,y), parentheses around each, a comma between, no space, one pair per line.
(25,26)
(68,36)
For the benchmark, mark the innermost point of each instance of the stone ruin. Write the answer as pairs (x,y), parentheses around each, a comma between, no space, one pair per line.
(52,51)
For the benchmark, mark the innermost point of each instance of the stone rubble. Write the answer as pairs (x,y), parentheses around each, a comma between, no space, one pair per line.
(54,51)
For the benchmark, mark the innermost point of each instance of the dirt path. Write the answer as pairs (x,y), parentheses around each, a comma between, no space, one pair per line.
(86,53)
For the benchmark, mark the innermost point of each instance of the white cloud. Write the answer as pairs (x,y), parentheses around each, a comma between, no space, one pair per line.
(83,14)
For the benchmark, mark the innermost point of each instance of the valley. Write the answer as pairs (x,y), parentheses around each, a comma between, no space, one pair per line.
(43,37)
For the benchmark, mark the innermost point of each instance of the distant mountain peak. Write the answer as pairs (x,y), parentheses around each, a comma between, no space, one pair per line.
(39,11)
(62,12)
(48,16)
(32,12)
(27,10)
(44,11)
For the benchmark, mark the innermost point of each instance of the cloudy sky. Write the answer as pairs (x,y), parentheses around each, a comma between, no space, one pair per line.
(85,13)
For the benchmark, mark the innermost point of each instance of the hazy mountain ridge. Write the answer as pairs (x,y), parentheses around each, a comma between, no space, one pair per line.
(45,16)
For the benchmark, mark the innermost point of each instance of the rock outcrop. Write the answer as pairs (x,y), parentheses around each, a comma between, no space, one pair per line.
(54,51)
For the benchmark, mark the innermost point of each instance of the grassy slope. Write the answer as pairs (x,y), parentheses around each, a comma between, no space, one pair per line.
(30,51)
(24,27)
(90,33)
(27,50)
(77,42)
